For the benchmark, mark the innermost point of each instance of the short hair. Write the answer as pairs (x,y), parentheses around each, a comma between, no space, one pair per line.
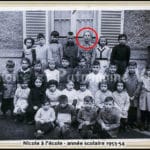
(87,31)
(121,36)
(39,78)
(27,60)
(120,81)
(65,58)
(52,82)
(32,40)
(132,63)
(70,33)
(45,101)
(69,80)
(100,40)
(23,81)
(55,33)
(83,83)
(103,82)
(10,64)
(109,99)
(40,35)
(112,64)
(96,63)
(62,98)
(38,61)
(88,99)
(81,58)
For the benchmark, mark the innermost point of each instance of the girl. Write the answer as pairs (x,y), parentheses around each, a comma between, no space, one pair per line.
(21,100)
(103,53)
(52,73)
(121,99)
(144,101)
(71,93)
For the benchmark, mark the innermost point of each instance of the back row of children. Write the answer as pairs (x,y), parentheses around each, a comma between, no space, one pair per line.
(24,93)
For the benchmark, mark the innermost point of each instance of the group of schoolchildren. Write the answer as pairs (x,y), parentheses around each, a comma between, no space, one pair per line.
(62,93)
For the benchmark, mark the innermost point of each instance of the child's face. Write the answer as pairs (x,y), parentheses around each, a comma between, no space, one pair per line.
(120,87)
(24,85)
(108,105)
(122,41)
(38,83)
(132,69)
(103,41)
(83,87)
(37,67)
(54,38)
(41,41)
(70,86)
(46,106)
(87,36)
(25,65)
(103,87)
(65,63)
(148,73)
(63,104)
(51,65)
(95,68)
(28,43)
(88,104)
(10,69)
(113,69)
(82,62)
(52,87)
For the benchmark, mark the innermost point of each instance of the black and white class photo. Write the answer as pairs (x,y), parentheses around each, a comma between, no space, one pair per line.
(74,74)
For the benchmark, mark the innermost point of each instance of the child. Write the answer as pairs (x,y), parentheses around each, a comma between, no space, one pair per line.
(25,73)
(41,50)
(51,73)
(44,119)
(102,94)
(9,87)
(132,84)
(121,99)
(103,53)
(94,78)
(29,51)
(65,117)
(82,93)
(52,93)
(80,72)
(112,77)
(71,93)
(36,98)
(121,54)
(65,72)
(144,101)
(55,50)
(38,72)
(108,119)
(21,99)
(87,118)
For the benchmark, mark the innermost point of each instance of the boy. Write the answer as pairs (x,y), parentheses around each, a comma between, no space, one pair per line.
(29,52)
(65,117)
(121,54)
(112,77)
(94,78)
(55,50)
(108,119)
(41,50)
(87,118)
(132,84)
(9,87)
(44,119)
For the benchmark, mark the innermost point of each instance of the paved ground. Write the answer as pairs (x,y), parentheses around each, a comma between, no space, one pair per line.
(10,130)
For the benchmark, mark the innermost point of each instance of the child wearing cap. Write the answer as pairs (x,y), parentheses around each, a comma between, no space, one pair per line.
(55,50)
(144,101)
(21,99)
(42,50)
(52,73)
(25,72)
(9,87)
(94,78)
(82,93)
(87,118)
(52,93)
(102,94)
(65,117)
(29,52)
(65,72)
(108,119)
(133,85)
(44,119)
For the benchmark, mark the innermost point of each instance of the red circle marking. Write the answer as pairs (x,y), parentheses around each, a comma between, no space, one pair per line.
(90,47)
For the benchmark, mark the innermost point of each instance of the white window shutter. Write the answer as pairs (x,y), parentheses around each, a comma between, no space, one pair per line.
(35,22)
(111,26)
